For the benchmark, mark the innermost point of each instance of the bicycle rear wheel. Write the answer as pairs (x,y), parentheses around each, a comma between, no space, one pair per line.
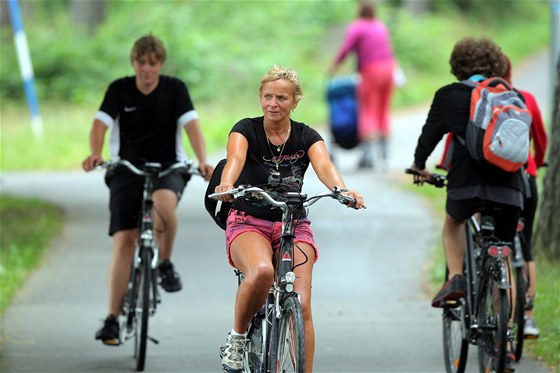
(519,317)
(493,314)
(455,343)
(144,309)
(290,349)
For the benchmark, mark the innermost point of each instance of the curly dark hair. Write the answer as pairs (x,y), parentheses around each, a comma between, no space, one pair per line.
(471,56)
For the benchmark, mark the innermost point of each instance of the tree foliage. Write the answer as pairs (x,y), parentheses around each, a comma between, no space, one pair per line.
(222,47)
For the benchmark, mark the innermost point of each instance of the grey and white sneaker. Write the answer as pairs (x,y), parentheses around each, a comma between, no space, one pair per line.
(232,353)
(530,331)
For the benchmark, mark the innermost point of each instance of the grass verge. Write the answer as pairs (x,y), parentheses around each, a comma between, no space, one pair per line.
(28,226)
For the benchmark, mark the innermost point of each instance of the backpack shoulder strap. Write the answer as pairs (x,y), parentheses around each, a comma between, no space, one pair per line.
(495,81)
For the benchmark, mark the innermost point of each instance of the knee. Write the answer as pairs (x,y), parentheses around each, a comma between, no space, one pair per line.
(125,240)
(261,275)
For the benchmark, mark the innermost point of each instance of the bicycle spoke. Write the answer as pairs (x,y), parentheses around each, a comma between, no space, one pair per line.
(291,350)
(493,316)
(455,345)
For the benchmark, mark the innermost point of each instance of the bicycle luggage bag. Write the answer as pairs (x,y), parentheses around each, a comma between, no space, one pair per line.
(218,210)
(343,113)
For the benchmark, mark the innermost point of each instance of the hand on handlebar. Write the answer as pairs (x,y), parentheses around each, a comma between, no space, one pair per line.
(359,200)
(206,170)
(224,188)
(91,162)
(421,176)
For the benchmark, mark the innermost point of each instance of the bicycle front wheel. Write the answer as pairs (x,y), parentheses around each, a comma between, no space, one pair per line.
(290,350)
(144,310)
(493,314)
(455,343)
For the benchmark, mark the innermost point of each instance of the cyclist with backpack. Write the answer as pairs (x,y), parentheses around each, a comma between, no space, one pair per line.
(472,183)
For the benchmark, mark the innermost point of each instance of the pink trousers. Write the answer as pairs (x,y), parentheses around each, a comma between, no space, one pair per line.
(374,100)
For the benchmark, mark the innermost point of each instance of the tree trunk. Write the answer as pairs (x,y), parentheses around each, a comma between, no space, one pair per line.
(417,7)
(4,14)
(87,13)
(547,233)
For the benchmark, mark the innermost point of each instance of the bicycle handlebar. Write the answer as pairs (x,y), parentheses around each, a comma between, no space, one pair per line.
(188,166)
(437,180)
(247,191)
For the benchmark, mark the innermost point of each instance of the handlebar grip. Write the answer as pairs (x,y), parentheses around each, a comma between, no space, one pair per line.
(436,180)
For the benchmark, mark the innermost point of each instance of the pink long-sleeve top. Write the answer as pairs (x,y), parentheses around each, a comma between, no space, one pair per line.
(538,135)
(369,39)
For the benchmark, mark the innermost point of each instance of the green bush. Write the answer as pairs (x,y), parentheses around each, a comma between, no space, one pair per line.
(221,49)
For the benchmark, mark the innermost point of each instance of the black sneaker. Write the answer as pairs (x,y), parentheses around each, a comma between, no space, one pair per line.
(450,293)
(169,279)
(109,333)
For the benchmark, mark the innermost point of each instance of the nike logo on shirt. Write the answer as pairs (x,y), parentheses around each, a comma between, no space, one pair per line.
(129,109)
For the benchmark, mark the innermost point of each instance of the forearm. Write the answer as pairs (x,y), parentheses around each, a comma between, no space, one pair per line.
(196,140)
(329,176)
(97,138)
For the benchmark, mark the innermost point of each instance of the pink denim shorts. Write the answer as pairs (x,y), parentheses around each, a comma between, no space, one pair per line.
(239,222)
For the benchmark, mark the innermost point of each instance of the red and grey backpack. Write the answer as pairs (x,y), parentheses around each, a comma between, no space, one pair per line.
(499,127)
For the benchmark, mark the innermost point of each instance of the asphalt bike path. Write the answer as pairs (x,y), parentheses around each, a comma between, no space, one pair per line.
(370,307)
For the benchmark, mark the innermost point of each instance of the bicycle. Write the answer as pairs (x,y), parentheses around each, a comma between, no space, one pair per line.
(142,296)
(276,340)
(481,317)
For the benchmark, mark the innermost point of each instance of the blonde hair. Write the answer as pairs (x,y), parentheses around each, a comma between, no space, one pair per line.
(279,72)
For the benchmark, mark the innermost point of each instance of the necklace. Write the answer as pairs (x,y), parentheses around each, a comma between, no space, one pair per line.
(279,148)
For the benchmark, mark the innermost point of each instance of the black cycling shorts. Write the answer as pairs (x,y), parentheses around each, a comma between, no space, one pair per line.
(126,192)
(505,216)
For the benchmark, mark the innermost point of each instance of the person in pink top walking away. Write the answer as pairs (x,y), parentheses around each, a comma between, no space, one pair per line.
(368,38)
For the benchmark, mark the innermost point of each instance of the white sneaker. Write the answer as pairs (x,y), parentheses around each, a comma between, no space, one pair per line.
(530,331)
(232,353)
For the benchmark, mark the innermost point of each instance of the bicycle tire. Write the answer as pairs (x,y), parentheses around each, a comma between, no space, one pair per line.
(455,343)
(519,317)
(144,307)
(493,315)
(254,357)
(129,308)
(290,346)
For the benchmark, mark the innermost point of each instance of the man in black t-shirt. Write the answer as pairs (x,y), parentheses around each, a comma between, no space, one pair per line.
(145,114)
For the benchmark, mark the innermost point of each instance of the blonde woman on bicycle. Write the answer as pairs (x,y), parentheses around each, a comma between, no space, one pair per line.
(266,150)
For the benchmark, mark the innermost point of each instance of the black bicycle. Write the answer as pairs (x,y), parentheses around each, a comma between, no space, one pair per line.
(142,296)
(276,340)
(481,317)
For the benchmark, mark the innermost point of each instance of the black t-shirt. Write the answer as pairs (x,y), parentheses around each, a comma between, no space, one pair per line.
(147,127)
(467,177)
(265,165)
